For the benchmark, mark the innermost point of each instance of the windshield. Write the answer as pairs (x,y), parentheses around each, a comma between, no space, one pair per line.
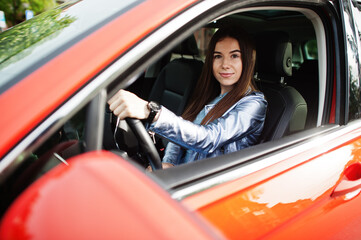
(32,43)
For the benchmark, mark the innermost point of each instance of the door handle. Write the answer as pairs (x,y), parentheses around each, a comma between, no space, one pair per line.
(350,182)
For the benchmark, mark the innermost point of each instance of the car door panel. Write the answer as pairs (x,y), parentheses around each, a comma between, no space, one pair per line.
(274,200)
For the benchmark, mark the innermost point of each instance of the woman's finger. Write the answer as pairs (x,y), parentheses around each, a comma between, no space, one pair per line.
(126,104)
(115,97)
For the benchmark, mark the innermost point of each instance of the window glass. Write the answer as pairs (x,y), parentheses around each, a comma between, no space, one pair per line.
(353,27)
(203,36)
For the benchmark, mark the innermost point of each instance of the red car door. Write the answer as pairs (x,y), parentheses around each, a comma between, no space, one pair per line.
(308,191)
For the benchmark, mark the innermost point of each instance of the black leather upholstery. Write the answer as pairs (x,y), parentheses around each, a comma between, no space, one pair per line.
(176,81)
(287,109)
(305,80)
(187,47)
(274,55)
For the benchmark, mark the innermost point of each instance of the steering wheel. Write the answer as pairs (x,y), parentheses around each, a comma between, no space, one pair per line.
(145,143)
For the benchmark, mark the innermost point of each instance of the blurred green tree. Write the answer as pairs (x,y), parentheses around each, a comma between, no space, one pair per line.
(25,36)
(15,9)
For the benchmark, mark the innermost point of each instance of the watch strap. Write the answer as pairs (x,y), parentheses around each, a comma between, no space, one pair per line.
(153,110)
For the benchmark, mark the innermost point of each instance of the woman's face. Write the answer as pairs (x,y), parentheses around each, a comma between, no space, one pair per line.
(227,63)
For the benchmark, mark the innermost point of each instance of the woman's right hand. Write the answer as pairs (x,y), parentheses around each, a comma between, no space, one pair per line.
(125,104)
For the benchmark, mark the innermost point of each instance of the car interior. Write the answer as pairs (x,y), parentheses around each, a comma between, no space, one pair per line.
(290,87)
(289,55)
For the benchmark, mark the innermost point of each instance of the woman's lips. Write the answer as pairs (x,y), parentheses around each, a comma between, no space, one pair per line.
(226,75)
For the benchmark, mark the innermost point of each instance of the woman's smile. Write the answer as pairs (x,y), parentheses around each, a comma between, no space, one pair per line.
(226,75)
(227,63)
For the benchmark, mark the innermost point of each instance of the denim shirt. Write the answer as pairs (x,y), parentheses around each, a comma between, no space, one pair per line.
(238,128)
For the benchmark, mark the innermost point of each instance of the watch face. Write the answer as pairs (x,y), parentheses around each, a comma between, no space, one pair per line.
(154,106)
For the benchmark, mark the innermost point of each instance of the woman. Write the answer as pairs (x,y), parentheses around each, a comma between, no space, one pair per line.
(225,114)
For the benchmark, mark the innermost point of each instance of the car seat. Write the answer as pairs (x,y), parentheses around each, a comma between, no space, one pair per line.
(287,109)
(176,81)
(305,80)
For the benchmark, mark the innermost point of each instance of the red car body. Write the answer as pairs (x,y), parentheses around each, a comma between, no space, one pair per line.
(96,207)
(306,185)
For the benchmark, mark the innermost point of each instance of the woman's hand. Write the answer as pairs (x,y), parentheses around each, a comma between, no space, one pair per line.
(126,104)
(164,166)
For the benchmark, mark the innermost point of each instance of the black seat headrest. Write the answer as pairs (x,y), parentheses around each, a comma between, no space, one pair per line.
(274,54)
(187,47)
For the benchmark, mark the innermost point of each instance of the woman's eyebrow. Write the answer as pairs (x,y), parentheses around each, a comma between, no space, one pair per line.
(233,51)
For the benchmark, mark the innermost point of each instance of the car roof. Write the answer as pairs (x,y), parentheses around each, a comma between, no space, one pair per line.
(43,88)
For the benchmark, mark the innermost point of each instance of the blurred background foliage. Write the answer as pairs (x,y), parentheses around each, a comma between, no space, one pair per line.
(15,9)
(29,33)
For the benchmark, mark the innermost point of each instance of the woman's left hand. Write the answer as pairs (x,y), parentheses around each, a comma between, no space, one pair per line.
(164,166)
(126,104)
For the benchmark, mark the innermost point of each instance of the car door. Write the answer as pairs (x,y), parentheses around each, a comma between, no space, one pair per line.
(309,188)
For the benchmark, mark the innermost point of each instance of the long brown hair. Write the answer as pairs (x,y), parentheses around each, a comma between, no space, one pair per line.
(208,87)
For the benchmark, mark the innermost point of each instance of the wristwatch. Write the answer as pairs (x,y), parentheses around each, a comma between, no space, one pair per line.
(154,108)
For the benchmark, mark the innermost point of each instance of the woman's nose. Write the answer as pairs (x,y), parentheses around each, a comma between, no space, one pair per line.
(225,63)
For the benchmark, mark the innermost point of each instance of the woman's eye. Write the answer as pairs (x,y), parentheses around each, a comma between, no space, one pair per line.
(235,56)
(217,56)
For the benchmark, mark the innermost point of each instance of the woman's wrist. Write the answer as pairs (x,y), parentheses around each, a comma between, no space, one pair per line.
(153,111)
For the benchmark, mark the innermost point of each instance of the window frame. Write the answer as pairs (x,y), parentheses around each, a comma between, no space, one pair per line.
(215,173)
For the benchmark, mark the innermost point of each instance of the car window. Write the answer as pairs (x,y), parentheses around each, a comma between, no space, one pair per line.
(357,15)
(353,15)
(307,78)
(203,36)
(355,109)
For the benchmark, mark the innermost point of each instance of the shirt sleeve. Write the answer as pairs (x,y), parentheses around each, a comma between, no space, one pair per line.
(173,153)
(246,116)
